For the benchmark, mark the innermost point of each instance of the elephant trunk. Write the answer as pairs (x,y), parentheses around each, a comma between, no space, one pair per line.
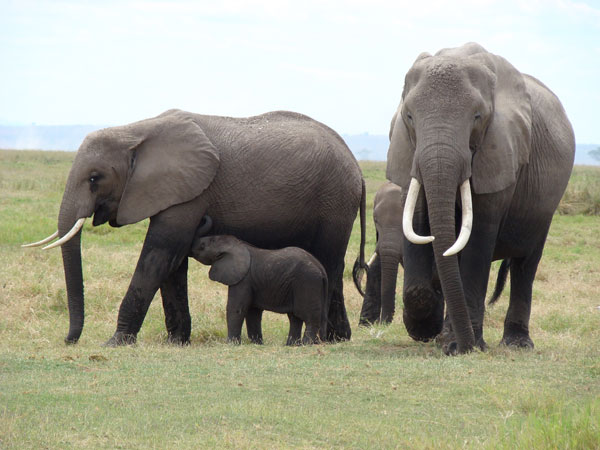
(443,167)
(71,254)
(389,249)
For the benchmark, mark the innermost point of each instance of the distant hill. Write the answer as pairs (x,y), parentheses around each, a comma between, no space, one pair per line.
(367,146)
(375,146)
(44,137)
(68,137)
(583,157)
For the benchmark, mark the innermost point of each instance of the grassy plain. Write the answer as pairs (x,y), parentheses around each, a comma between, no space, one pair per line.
(380,390)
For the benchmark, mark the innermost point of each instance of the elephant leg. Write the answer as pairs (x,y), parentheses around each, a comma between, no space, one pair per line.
(311,333)
(307,295)
(423,312)
(475,261)
(175,303)
(371,307)
(516,323)
(168,242)
(295,334)
(338,325)
(254,325)
(239,299)
(330,248)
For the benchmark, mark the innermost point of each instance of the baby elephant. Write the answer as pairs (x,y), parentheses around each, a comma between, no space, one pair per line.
(289,281)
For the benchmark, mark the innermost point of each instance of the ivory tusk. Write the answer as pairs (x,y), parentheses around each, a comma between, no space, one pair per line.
(407,216)
(372,259)
(72,232)
(43,241)
(466,222)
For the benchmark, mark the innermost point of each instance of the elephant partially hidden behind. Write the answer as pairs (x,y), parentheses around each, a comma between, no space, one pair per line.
(470,122)
(275,180)
(379,302)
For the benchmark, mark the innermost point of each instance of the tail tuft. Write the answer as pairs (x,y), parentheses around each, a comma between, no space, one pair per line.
(500,281)
(359,270)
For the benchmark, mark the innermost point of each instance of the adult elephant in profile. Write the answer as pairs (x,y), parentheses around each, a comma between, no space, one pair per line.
(275,180)
(470,122)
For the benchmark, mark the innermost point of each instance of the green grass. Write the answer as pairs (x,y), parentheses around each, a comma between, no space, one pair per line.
(380,390)
(583,193)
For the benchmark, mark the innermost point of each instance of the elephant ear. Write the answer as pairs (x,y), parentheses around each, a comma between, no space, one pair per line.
(400,153)
(507,141)
(173,163)
(400,157)
(232,267)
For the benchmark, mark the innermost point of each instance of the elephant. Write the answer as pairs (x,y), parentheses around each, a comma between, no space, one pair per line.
(288,281)
(274,180)
(469,122)
(379,299)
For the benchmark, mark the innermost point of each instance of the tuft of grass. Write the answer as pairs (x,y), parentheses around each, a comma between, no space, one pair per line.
(554,423)
(583,192)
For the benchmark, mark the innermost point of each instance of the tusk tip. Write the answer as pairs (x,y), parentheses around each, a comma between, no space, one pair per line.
(420,240)
(450,252)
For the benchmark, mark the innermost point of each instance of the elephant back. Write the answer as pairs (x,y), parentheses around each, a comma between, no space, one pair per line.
(282,176)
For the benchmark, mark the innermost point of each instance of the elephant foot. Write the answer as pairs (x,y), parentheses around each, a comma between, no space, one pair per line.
(423,313)
(178,339)
(310,339)
(517,340)
(71,341)
(334,336)
(293,341)
(234,340)
(447,341)
(258,340)
(516,335)
(120,338)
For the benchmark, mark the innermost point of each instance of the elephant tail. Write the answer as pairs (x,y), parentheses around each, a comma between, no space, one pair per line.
(500,281)
(360,266)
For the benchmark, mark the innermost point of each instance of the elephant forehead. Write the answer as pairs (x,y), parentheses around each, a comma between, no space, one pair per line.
(445,80)
(389,193)
(91,158)
(446,76)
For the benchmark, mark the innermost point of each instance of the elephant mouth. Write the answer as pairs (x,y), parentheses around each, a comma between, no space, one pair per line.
(104,213)
(101,215)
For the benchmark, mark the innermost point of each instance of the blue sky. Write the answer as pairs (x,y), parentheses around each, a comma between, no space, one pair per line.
(341,62)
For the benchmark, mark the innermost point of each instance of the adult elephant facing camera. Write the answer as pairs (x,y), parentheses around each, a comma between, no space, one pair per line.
(275,180)
(470,122)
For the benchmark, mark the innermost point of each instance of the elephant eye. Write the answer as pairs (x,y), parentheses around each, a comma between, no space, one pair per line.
(409,117)
(477,116)
(94,178)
